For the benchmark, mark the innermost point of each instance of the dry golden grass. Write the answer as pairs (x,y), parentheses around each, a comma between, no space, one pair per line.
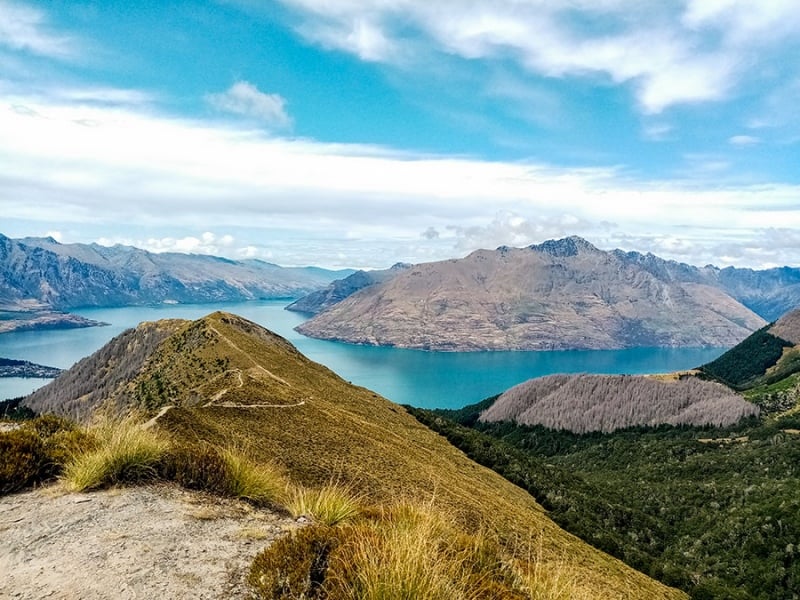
(258,482)
(124,452)
(330,504)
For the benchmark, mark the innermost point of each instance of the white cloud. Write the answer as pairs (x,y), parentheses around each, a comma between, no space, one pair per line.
(743,140)
(245,99)
(321,200)
(25,28)
(670,55)
(204,243)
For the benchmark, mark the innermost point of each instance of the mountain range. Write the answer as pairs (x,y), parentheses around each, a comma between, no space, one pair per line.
(561,294)
(42,273)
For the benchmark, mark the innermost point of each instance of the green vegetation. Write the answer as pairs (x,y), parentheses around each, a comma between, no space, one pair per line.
(715,512)
(743,365)
(37,451)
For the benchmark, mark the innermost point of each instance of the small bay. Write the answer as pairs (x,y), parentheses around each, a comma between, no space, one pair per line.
(416,377)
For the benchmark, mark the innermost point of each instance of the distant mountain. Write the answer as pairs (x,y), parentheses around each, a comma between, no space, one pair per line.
(562,294)
(340,289)
(225,381)
(769,293)
(42,272)
(586,403)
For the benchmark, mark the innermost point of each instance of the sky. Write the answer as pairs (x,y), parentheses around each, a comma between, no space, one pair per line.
(360,133)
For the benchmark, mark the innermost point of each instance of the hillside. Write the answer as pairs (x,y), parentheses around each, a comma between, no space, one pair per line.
(63,276)
(563,294)
(763,358)
(586,403)
(338,290)
(225,380)
(712,510)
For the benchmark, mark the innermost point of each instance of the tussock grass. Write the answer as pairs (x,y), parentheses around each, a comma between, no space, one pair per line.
(124,452)
(330,504)
(407,551)
(258,482)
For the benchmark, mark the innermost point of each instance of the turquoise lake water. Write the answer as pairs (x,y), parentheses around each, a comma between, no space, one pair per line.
(416,377)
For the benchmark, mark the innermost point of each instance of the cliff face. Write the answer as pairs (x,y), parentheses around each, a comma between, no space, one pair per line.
(563,294)
(63,276)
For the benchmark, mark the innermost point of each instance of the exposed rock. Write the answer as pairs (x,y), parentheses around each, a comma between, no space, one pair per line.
(563,294)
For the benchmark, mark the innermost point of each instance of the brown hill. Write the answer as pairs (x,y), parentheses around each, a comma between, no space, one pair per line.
(584,403)
(788,327)
(225,380)
(558,295)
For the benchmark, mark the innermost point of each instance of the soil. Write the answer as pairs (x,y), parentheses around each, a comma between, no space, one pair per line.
(157,541)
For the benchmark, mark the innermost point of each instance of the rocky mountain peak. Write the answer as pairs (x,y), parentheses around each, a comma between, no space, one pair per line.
(568,246)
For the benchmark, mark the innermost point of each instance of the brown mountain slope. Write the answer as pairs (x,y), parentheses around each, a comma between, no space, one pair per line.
(788,327)
(560,295)
(584,403)
(232,382)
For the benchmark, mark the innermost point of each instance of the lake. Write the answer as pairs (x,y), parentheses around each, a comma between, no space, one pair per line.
(416,377)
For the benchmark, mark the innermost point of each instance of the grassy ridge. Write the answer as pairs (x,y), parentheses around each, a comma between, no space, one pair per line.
(227,383)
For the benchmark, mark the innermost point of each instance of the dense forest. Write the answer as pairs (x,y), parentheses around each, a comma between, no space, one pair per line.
(714,511)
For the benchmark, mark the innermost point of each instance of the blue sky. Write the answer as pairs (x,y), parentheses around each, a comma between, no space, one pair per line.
(359,133)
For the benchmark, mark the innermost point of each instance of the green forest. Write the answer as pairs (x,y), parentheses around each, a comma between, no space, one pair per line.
(715,512)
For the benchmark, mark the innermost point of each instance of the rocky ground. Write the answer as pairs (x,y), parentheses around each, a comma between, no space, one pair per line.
(130,543)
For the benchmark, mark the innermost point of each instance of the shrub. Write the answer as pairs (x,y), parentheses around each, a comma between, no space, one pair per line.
(37,451)
(294,566)
(23,459)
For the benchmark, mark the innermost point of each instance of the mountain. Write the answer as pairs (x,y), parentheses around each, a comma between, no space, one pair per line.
(562,294)
(763,358)
(586,403)
(223,380)
(338,290)
(58,276)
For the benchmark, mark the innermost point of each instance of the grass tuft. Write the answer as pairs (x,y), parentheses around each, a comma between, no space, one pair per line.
(260,483)
(124,452)
(330,504)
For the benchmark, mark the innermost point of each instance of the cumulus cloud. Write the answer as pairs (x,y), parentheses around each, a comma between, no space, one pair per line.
(245,99)
(669,55)
(205,243)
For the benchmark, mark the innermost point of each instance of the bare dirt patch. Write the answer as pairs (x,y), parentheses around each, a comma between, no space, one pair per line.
(140,542)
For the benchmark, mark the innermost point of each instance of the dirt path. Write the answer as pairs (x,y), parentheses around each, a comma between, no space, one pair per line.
(130,543)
